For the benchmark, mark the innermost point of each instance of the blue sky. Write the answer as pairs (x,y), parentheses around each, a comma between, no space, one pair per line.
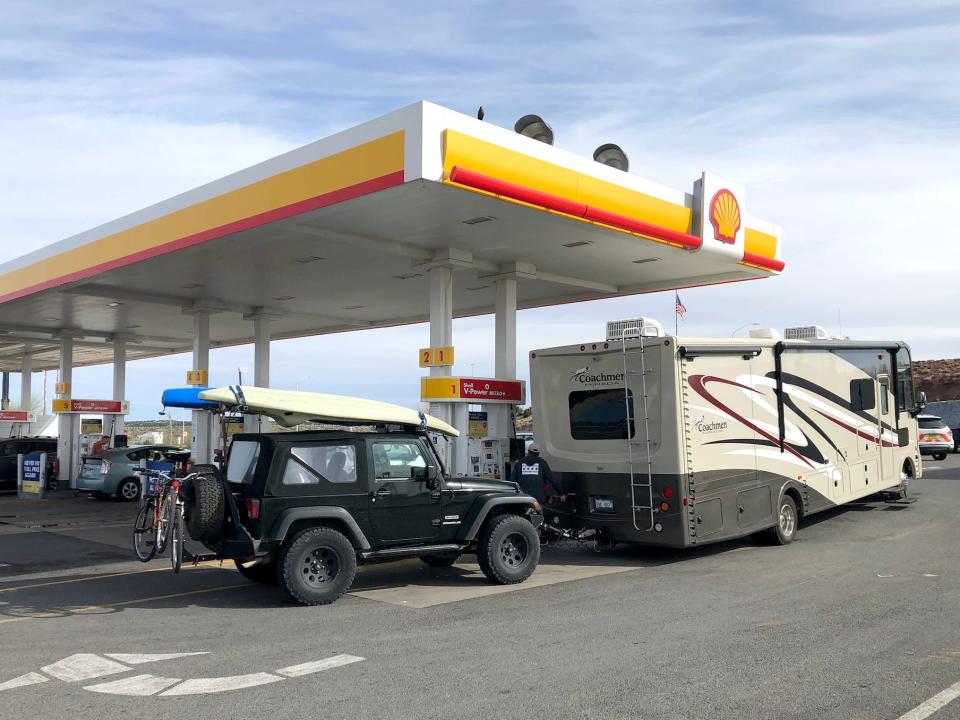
(841,118)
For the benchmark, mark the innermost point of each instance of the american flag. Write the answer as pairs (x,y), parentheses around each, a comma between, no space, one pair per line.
(680,307)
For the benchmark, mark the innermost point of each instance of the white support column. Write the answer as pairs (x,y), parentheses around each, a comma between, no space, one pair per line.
(261,361)
(441,335)
(505,352)
(200,447)
(66,423)
(26,383)
(119,382)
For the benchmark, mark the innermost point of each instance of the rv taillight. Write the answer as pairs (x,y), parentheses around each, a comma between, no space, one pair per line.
(668,492)
(685,503)
(253,508)
(664,506)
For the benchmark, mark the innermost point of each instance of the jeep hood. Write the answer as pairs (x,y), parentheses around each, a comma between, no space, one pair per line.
(481,485)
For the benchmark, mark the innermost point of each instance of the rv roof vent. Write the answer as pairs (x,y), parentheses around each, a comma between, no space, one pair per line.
(806,332)
(634,328)
(766,334)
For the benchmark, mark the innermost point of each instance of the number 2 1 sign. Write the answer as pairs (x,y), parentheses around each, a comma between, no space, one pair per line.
(436,357)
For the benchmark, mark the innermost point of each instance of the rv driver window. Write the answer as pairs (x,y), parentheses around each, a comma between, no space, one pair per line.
(600,414)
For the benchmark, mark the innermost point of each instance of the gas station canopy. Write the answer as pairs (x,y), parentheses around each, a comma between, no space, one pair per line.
(340,235)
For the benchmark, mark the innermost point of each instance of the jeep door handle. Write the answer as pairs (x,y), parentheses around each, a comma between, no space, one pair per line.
(383,492)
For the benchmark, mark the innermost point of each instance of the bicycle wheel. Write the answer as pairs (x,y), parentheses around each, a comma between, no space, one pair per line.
(163,524)
(145,532)
(176,536)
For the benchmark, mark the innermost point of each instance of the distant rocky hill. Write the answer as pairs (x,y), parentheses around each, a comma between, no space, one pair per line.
(939,379)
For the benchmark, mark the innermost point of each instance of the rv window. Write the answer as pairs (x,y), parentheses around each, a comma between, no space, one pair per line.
(884,402)
(862,394)
(600,414)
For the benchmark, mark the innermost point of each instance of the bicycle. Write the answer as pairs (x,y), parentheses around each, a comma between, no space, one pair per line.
(160,521)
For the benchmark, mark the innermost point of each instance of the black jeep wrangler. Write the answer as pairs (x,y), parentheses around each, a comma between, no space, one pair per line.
(303,509)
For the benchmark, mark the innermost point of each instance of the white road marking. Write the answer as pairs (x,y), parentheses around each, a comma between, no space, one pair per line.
(203,686)
(318,665)
(83,666)
(929,707)
(141,658)
(30,678)
(138,685)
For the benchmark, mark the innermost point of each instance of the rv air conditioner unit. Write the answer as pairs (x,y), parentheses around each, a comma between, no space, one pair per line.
(765,334)
(635,328)
(806,332)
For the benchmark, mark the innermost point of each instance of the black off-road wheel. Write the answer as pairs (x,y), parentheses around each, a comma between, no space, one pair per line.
(508,549)
(785,531)
(259,571)
(203,509)
(440,560)
(940,456)
(317,566)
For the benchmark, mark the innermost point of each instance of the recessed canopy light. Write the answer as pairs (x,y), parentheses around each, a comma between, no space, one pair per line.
(52,319)
(284,298)
(578,243)
(114,304)
(408,276)
(645,260)
(308,259)
(479,219)
(352,307)
(131,327)
(190,286)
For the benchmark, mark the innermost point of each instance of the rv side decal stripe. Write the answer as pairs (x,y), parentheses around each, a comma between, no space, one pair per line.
(698,383)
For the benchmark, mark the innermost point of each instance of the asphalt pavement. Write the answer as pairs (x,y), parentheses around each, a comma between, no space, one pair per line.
(857,619)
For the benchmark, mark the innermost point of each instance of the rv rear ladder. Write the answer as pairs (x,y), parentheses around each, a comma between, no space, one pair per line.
(639,491)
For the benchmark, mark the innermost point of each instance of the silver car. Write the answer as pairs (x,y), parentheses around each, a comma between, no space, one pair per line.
(113,472)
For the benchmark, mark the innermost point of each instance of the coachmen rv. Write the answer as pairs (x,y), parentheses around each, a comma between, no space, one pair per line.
(678,442)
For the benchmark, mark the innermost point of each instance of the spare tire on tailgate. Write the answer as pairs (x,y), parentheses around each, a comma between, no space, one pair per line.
(203,509)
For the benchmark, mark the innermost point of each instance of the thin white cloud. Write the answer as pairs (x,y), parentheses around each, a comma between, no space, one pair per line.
(839,117)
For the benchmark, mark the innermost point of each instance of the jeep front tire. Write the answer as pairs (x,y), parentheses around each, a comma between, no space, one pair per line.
(317,566)
(508,549)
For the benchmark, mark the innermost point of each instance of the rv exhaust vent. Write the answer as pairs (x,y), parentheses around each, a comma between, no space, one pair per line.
(806,332)
(635,328)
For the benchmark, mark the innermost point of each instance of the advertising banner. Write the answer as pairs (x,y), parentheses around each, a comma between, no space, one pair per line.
(474,390)
(32,473)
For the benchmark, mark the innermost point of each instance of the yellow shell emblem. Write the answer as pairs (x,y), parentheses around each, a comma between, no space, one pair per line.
(725,216)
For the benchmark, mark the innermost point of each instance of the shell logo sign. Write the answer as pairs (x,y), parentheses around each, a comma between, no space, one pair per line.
(725,216)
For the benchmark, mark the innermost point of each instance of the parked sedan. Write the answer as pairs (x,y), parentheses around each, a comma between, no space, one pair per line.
(112,473)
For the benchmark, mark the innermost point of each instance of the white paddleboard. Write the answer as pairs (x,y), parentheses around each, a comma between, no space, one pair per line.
(293,407)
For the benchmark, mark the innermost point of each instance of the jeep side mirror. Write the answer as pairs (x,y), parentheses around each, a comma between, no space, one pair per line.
(429,475)
(921,398)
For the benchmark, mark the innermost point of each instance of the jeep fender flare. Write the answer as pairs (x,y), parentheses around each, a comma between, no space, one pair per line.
(287,518)
(469,530)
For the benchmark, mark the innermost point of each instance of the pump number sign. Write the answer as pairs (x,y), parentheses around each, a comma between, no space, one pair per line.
(436,357)
(474,390)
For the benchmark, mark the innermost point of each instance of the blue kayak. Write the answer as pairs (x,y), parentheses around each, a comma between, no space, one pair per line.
(188,397)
